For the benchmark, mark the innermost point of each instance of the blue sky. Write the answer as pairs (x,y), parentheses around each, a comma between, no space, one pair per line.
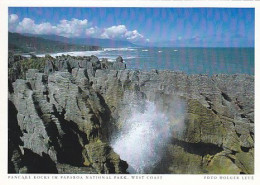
(167,26)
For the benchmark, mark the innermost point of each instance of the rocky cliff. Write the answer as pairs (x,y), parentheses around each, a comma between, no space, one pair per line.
(64,116)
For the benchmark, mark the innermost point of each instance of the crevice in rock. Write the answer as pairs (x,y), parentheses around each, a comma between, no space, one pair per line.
(200,148)
(37,105)
(29,85)
(46,93)
(238,104)
(215,112)
(14,131)
(245,149)
(243,115)
(252,135)
(238,135)
(250,120)
(77,100)
(226,97)
(233,152)
(10,87)
(38,164)
(210,104)
(50,126)
(71,148)
(110,167)
(86,75)
(232,159)
(107,128)
(69,67)
(14,134)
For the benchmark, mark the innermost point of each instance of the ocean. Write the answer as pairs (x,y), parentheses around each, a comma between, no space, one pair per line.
(189,60)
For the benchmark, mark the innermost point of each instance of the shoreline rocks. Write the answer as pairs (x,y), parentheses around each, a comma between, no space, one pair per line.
(67,112)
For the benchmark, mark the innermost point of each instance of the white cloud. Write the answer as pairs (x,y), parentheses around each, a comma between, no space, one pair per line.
(45,28)
(93,32)
(121,32)
(12,22)
(13,18)
(134,36)
(27,25)
(114,32)
(74,28)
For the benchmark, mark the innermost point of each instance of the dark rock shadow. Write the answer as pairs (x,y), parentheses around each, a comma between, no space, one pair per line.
(14,134)
(200,148)
(38,164)
(71,148)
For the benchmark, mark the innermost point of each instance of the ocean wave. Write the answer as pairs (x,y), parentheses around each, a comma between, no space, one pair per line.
(27,56)
(100,54)
(113,58)
(109,58)
(73,53)
(119,49)
(129,58)
(145,50)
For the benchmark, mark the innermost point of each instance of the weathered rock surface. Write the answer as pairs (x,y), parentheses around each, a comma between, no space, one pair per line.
(67,115)
(59,115)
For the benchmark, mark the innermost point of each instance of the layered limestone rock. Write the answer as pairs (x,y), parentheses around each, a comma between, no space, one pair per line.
(67,115)
(59,116)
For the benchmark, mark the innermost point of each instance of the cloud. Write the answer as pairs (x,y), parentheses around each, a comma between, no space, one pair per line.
(74,28)
(12,21)
(27,25)
(45,28)
(67,28)
(94,32)
(114,32)
(13,18)
(121,32)
(134,36)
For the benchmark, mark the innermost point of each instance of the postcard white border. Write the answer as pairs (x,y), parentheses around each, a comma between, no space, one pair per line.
(166,179)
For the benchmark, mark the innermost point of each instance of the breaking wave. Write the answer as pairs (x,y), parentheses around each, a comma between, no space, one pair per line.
(119,49)
(74,53)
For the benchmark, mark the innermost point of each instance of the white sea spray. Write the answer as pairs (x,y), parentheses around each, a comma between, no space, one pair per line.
(145,134)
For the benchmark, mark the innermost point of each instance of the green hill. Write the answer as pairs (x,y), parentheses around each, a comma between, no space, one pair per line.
(31,44)
(87,41)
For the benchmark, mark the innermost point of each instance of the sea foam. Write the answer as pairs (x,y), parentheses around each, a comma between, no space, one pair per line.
(74,53)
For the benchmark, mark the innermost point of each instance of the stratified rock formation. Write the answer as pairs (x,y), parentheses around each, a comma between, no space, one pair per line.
(61,120)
